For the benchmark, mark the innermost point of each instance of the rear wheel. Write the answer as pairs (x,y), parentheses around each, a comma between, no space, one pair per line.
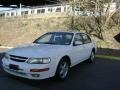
(92,57)
(62,70)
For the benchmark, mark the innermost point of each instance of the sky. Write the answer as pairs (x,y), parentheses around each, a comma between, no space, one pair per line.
(26,2)
(6,3)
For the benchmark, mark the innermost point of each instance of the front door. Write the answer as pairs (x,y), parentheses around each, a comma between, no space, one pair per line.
(78,52)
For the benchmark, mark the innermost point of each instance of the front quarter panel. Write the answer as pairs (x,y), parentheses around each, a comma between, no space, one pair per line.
(55,59)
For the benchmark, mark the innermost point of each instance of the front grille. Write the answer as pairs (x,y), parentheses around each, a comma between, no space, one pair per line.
(18,58)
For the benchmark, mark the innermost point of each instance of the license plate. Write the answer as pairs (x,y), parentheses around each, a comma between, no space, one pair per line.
(14,67)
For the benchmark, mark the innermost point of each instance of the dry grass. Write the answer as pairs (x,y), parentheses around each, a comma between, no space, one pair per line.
(15,32)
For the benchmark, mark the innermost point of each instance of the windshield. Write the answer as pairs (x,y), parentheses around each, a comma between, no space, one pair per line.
(57,38)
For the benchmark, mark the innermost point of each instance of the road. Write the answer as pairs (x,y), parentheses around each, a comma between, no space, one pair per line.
(102,75)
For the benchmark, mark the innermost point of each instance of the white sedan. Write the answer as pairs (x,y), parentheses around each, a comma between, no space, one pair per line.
(51,55)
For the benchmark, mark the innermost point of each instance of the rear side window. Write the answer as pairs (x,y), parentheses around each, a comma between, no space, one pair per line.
(78,38)
(86,39)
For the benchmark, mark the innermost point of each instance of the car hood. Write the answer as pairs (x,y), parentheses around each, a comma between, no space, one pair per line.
(37,50)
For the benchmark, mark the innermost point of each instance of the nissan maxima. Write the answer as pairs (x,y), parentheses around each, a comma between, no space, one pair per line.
(51,55)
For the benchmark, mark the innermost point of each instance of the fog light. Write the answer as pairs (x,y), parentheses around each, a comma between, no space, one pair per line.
(35,75)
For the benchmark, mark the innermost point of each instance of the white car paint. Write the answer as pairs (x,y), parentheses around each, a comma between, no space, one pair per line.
(76,54)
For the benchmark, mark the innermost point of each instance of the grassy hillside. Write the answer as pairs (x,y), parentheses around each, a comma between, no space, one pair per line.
(19,31)
(15,32)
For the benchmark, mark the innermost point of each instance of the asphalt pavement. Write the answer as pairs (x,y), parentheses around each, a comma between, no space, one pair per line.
(102,75)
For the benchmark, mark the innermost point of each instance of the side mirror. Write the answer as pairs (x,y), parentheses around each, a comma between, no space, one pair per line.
(77,43)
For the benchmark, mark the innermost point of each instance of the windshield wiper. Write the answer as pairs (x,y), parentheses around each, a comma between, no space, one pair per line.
(49,43)
(44,42)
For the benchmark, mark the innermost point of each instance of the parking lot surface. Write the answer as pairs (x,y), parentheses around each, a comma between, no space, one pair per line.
(101,75)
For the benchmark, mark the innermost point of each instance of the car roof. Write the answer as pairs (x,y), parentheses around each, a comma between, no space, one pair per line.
(74,32)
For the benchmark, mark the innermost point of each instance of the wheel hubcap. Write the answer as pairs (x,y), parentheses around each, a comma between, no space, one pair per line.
(63,69)
(92,56)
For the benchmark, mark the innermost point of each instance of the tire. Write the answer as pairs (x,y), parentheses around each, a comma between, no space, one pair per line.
(62,70)
(92,57)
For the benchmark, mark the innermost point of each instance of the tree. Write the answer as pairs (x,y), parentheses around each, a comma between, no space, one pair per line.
(98,22)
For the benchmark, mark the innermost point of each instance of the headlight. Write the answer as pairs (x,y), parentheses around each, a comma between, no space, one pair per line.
(7,56)
(39,60)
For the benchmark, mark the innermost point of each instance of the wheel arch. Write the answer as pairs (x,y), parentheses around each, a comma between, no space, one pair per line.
(94,50)
(67,58)
(62,58)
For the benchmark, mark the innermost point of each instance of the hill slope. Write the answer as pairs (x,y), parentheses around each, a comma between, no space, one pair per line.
(15,32)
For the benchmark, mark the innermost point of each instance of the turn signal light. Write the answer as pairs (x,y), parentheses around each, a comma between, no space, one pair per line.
(39,70)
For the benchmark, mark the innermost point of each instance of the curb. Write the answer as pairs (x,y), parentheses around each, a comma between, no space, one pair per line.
(108,57)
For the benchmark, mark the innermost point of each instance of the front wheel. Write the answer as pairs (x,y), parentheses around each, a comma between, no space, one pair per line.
(62,70)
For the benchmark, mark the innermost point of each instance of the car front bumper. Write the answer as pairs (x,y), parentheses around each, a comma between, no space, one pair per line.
(43,70)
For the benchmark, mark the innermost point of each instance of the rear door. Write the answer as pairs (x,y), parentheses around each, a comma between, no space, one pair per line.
(88,46)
